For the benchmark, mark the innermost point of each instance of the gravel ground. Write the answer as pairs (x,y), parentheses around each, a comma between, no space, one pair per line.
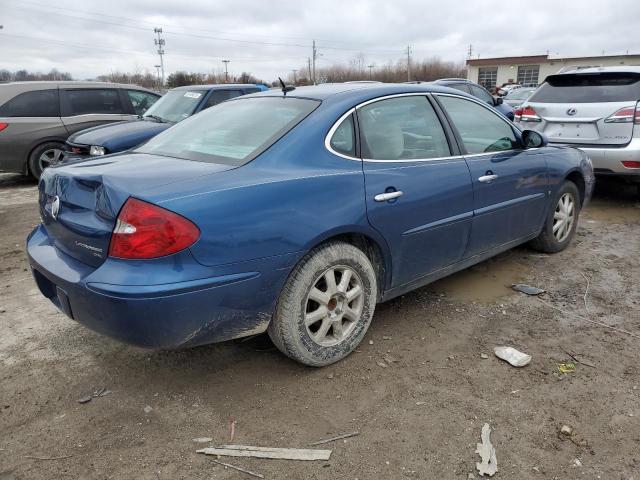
(417,390)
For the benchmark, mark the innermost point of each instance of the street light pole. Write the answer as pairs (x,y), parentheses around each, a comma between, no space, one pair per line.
(294,75)
(226,70)
(370,71)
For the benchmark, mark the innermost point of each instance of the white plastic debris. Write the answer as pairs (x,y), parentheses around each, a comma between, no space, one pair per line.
(528,289)
(489,463)
(512,356)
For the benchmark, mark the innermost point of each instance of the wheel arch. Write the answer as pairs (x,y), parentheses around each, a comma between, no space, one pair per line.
(38,143)
(370,242)
(577,178)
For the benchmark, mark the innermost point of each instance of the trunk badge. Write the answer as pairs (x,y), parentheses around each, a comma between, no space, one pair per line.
(55,207)
(572,111)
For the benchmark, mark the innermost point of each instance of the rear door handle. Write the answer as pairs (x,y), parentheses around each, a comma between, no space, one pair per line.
(385,197)
(487,178)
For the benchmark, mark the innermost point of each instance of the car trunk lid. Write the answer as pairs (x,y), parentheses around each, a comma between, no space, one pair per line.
(79,203)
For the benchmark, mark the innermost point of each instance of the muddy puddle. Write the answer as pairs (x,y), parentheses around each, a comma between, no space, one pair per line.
(486,282)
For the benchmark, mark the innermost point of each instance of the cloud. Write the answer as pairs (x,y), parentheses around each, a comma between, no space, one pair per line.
(270,38)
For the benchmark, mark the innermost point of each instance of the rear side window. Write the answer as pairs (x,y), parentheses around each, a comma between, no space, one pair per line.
(588,88)
(459,86)
(343,139)
(219,96)
(94,100)
(231,133)
(402,128)
(481,130)
(141,101)
(39,103)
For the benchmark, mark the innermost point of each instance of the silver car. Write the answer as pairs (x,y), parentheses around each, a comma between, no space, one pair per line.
(594,109)
(517,97)
(37,117)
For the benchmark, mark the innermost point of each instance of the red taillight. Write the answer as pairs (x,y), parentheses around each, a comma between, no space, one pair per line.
(527,114)
(144,230)
(3,126)
(631,163)
(625,115)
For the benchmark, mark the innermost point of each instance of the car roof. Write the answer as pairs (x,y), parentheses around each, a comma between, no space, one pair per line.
(216,86)
(614,69)
(357,91)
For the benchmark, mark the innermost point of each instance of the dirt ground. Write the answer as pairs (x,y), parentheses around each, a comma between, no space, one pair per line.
(419,412)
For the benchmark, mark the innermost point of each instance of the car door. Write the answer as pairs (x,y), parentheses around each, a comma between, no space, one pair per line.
(418,188)
(509,183)
(87,107)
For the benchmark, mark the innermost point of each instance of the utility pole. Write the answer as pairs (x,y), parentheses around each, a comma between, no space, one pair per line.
(158,74)
(370,71)
(408,63)
(226,70)
(294,76)
(160,44)
(470,51)
(309,65)
(314,56)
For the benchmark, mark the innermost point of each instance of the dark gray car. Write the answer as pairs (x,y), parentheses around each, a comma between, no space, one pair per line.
(37,117)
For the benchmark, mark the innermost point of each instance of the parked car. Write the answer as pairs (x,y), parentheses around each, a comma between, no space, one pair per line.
(296,212)
(176,105)
(594,109)
(508,87)
(517,97)
(37,117)
(477,91)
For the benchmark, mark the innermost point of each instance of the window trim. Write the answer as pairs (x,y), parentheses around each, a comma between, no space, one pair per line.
(463,150)
(452,135)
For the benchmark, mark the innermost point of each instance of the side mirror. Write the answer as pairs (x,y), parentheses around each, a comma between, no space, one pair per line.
(533,139)
(498,101)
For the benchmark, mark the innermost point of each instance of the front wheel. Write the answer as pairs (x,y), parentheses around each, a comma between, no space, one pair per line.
(562,221)
(326,305)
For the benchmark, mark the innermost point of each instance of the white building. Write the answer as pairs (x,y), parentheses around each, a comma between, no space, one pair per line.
(490,72)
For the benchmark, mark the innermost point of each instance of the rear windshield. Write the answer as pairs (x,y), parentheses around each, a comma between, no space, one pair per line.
(588,88)
(232,133)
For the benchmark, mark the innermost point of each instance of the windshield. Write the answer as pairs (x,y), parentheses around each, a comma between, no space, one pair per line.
(589,88)
(520,94)
(175,105)
(233,132)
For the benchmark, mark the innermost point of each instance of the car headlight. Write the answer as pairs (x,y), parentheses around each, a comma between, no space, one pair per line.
(97,150)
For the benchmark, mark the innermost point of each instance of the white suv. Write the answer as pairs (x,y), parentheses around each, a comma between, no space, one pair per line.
(593,109)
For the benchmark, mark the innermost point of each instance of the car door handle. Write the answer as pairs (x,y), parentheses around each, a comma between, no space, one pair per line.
(385,197)
(487,178)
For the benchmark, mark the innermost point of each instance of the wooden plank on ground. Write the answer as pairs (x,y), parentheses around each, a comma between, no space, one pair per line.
(267,452)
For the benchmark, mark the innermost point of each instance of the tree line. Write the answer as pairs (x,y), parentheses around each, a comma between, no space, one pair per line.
(26,76)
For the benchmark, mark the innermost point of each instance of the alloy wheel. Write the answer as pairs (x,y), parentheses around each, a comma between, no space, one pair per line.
(564,217)
(50,157)
(334,305)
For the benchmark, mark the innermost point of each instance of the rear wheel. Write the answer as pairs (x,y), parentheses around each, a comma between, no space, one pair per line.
(45,155)
(326,305)
(562,221)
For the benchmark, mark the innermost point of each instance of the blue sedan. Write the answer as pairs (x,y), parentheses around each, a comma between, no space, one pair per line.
(296,213)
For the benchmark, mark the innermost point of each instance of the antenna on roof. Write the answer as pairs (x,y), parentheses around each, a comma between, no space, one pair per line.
(286,88)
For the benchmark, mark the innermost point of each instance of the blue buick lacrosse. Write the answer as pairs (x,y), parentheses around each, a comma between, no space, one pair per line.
(295,212)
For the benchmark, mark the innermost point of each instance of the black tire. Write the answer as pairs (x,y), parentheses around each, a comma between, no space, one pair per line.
(344,263)
(547,242)
(35,165)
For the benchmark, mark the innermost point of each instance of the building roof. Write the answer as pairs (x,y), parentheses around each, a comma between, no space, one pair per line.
(534,59)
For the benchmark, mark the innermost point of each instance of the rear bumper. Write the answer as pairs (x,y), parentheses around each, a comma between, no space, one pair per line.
(608,161)
(229,302)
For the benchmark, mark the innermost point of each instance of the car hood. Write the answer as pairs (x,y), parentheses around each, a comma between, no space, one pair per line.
(114,135)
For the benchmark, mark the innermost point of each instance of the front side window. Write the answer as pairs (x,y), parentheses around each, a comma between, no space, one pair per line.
(94,100)
(343,139)
(39,103)
(232,133)
(402,128)
(219,96)
(480,129)
(141,101)
(175,106)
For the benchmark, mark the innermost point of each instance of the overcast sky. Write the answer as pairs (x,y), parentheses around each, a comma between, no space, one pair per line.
(88,38)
